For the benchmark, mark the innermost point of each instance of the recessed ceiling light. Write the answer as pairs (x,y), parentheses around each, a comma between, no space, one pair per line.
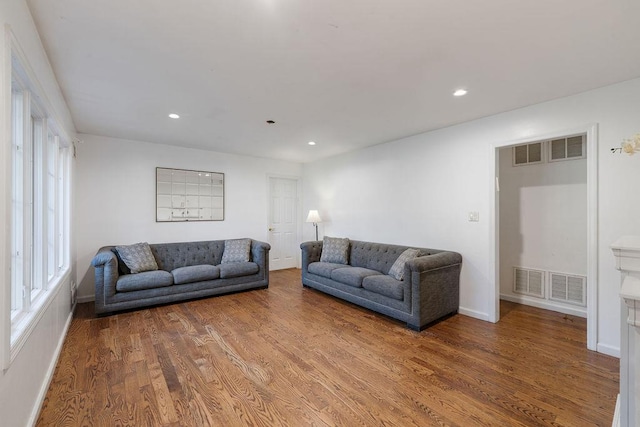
(174,116)
(460,92)
(312,143)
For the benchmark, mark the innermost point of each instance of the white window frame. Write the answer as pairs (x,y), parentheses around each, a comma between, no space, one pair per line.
(38,168)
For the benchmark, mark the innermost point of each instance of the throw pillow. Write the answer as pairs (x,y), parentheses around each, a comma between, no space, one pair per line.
(122,267)
(397,269)
(236,250)
(137,257)
(335,250)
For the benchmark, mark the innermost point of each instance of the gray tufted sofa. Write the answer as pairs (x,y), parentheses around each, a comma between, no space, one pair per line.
(428,291)
(185,271)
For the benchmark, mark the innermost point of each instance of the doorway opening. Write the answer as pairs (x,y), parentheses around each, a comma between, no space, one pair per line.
(544,216)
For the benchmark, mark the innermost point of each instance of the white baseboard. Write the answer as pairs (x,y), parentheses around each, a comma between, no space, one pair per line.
(35,412)
(616,414)
(545,304)
(86,298)
(473,313)
(608,350)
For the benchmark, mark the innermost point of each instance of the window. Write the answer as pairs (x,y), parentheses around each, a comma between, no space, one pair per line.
(18,196)
(40,202)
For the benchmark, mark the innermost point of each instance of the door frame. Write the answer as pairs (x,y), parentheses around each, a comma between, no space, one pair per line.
(298,180)
(591,131)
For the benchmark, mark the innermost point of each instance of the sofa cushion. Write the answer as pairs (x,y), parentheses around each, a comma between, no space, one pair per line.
(137,257)
(397,269)
(195,273)
(352,276)
(237,269)
(236,250)
(384,285)
(335,250)
(144,280)
(323,269)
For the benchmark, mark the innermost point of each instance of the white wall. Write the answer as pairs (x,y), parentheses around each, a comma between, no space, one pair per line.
(419,190)
(543,222)
(116,197)
(23,384)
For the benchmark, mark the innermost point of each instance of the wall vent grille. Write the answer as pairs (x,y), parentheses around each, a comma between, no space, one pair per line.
(527,154)
(568,288)
(528,282)
(570,148)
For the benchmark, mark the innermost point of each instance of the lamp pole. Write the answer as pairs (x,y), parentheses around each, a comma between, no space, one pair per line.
(314,218)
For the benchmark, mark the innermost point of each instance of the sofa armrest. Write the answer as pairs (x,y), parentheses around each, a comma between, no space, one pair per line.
(260,254)
(311,252)
(435,287)
(430,262)
(106,276)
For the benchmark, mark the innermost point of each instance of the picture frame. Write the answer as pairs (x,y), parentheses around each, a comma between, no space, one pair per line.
(184,195)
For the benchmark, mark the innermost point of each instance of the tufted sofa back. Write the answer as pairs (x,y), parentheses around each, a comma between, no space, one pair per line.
(170,256)
(378,256)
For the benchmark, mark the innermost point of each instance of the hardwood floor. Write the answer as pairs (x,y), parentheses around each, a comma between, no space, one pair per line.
(294,357)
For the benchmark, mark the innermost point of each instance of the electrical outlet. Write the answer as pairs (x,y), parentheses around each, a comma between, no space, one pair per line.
(74,293)
(474,216)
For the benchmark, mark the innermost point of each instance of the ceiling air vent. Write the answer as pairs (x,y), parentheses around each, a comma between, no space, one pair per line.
(570,148)
(568,288)
(527,154)
(528,282)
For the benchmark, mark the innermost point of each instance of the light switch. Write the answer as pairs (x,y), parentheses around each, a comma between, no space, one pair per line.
(474,216)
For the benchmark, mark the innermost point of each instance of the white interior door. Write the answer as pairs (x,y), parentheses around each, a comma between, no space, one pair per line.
(283,223)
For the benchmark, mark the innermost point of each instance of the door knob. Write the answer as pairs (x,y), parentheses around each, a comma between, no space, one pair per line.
(271,228)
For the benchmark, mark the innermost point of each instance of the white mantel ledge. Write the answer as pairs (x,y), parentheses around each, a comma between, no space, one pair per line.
(627,252)
(630,291)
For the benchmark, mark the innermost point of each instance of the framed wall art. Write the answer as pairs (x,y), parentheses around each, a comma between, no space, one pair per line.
(187,195)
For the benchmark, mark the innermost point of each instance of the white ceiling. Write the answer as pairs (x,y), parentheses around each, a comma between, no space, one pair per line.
(344,73)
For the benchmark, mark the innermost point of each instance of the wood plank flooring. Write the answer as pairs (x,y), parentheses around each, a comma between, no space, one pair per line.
(290,356)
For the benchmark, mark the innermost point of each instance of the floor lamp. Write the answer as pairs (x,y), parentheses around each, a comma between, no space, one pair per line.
(314,217)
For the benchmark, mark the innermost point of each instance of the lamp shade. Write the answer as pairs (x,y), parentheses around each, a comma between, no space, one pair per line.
(313,216)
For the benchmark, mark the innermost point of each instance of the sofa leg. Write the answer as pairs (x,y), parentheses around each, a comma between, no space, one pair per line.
(415,327)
